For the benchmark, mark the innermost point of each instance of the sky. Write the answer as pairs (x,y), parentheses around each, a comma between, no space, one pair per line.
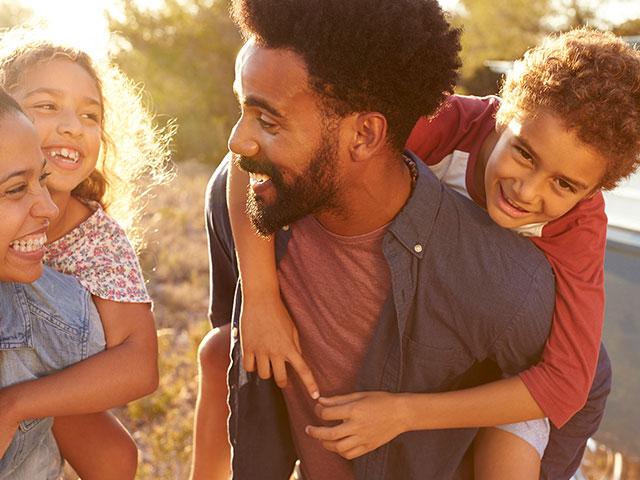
(89,27)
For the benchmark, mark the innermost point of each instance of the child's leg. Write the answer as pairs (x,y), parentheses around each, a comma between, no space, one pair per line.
(211,449)
(510,451)
(97,446)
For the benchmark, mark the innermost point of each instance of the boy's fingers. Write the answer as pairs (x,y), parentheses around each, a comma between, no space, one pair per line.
(279,372)
(304,372)
(327,434)
(340,399)
(339,412)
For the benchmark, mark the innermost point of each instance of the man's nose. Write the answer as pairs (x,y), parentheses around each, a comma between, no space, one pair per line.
(241,142)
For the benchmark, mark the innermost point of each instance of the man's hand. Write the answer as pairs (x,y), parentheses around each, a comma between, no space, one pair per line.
(269,339)
(369,420)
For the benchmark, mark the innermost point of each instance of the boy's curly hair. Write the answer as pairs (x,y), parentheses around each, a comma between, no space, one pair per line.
(395,57)
(591,81)
(134,154)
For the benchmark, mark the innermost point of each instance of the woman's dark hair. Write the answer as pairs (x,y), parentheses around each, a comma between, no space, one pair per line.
(395,57)
(8,104)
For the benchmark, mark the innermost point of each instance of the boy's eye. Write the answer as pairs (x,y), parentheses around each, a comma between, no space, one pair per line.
(564,185)
(523,153)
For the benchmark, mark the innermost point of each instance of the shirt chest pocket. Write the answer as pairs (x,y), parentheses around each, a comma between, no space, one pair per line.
(59,342)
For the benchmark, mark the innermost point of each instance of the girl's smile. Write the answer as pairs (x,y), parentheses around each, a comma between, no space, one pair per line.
(64,102)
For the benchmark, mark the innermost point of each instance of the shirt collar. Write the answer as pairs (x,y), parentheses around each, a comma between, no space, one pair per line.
(413,225)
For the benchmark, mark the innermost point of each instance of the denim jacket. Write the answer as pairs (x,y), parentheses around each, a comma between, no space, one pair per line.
(470,301)
(44,327)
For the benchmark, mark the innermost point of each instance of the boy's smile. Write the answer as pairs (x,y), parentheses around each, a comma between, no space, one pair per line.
(537,171)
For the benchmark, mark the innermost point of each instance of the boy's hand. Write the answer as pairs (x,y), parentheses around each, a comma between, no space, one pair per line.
(369,420)
(269,339)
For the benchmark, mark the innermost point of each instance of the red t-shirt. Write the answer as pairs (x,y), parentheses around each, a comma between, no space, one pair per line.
(574,245)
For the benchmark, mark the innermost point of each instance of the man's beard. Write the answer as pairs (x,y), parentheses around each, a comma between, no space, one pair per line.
(312,191)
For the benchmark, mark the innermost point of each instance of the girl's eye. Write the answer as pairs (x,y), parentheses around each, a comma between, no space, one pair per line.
(94,117)
(564,185)
(45,106)
(43,178)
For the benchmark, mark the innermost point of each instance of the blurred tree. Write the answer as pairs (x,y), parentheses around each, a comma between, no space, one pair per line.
(12,14)
(184,55)
(497,30)
(505,29)
(628,28)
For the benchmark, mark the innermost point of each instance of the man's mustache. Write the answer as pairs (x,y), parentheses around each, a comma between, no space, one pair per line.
(253,165)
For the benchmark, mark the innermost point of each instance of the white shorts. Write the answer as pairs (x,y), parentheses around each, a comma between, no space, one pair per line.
(534,432)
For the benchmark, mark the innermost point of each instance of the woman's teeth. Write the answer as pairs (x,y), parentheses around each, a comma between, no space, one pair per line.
(30,245)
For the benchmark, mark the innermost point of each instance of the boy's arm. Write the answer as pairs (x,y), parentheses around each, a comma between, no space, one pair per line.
(574,246)
(496,403)
(125,371)
(268,336)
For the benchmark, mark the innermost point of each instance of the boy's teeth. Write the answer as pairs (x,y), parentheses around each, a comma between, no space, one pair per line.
(30,245)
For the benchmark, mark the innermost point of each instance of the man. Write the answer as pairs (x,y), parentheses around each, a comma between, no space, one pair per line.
(447,291)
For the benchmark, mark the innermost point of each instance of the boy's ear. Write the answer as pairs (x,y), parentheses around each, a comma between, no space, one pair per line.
(369,135)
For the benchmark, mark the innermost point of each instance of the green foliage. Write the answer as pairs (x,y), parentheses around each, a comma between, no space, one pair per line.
(184,55)
(496,30)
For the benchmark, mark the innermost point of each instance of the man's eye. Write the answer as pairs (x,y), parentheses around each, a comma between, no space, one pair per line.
(266,124)
(45,106)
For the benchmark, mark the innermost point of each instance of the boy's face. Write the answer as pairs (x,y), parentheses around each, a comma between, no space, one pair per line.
(538,171)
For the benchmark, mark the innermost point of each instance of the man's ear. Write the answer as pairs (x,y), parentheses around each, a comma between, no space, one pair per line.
(369,135)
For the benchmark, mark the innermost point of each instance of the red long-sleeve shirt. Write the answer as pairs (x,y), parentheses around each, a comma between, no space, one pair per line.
(574,245)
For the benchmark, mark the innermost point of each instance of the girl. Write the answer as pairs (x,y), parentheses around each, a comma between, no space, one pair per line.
(538,170)
(103,153)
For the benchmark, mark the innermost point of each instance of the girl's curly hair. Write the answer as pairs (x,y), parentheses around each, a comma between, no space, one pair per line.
(591,81)
(134,154)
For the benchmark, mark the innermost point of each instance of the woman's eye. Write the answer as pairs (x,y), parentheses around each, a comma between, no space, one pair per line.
(94,117)
(17,189)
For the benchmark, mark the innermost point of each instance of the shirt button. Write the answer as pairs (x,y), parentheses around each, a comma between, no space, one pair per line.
(285,228)
(417,248)
(234,332)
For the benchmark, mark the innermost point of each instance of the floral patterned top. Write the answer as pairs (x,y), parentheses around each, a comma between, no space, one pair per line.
(98,253)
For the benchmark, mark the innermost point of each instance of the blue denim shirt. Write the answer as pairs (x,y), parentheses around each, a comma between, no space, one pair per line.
(469,302)
(44,327)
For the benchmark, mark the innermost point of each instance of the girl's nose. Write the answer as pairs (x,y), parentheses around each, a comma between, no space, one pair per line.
(69,124)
